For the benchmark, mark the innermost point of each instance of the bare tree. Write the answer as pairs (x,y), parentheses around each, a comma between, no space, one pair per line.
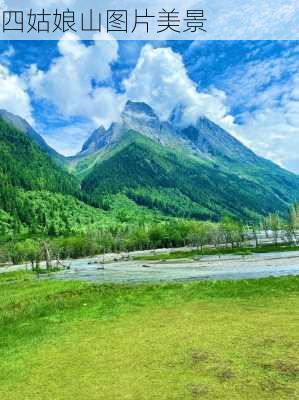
(275,225)
(48,257)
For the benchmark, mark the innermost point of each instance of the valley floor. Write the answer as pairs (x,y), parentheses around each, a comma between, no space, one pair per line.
(176,266)
(200,340)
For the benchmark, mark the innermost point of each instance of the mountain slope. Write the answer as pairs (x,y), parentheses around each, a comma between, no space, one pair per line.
(24,164)
(23,126)
(204,140)
(98,139)
(159,177)
(226,176)
(34,190)
(232,156)
(135,116)
(39,196)
(197,171)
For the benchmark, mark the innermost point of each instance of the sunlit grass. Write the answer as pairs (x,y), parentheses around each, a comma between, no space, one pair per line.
(210,340)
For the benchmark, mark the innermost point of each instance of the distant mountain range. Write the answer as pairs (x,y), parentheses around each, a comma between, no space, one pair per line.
(197,171)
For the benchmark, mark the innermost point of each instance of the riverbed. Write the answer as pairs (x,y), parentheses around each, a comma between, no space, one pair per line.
(207,267)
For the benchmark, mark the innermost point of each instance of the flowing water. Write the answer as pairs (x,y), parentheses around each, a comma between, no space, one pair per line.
(208,267)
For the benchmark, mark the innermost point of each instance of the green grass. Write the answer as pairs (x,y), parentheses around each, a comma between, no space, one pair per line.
(267,248)
(17,276)
(210,340)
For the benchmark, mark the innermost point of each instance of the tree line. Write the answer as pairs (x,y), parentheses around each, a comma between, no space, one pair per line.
(229,232)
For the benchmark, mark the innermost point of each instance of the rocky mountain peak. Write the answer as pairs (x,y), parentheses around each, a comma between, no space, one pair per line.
(138,108)
(95,140)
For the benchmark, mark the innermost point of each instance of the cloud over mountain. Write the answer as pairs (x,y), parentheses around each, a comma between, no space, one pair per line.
(86,84)
(13,94)
(77,82)
(160,79)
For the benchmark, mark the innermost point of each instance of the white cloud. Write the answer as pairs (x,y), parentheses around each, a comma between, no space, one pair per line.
(75,81)
(160,79)
(79,84)
(10,52)
(265,92)
(13,95)
(253,83)
(273,130)
(6,55)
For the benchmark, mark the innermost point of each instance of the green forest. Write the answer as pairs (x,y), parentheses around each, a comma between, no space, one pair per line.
(141,195)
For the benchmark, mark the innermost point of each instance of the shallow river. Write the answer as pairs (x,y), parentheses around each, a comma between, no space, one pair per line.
(208,267)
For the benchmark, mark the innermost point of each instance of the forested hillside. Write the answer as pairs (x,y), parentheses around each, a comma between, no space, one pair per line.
(157,177)
(23,164)
(198,171)
(137,190)
(34,191)
(133,183)
(23,126)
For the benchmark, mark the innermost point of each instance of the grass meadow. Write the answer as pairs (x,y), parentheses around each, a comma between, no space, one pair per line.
(197,340)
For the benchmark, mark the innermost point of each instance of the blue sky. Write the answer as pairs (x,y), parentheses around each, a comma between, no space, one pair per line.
(68,88)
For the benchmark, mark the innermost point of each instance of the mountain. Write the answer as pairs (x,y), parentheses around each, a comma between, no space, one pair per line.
(136,116)
(157,177)
(39,196)
(35,192)
(230,155)
(96,141)
(24,164)
(204,138)
(198,170)
(23,126)
(214,141)
(195,171)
